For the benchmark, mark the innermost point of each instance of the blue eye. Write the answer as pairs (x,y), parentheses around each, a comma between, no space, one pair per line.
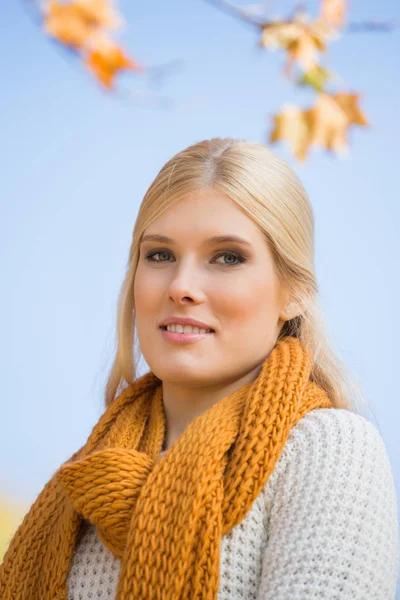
(235,255)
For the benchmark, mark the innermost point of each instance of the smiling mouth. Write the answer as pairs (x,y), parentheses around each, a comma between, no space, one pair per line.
(208,330)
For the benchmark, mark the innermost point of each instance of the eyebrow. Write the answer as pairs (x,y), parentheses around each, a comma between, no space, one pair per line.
(215,239)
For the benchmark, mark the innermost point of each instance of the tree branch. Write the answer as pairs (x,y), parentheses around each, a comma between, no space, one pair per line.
(353,27)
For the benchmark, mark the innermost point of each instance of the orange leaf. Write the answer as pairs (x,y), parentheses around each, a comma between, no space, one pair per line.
(101,13)
(334,12)
(65,23)
(107,60)
(74,23)
(348,103)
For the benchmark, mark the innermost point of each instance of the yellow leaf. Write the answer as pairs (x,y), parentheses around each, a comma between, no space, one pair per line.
(304,52)
(291,126)
(315,77)
(325,124)
(301,37)
(331,117)
(329,124)
(280,34)
(348,103)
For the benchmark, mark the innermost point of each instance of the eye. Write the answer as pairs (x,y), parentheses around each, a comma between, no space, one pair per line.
(233,255)
(239,259)
(149,255)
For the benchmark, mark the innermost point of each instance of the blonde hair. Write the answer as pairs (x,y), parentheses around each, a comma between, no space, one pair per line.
(269,192)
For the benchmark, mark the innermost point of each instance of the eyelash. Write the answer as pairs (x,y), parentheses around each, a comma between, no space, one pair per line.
(240,258)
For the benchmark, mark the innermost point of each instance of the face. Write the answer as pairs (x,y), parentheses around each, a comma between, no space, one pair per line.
(230,286)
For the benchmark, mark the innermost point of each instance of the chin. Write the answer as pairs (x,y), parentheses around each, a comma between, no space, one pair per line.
(181,371)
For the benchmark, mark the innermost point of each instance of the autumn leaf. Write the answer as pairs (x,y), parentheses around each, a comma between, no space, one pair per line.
(280,34)
(64,22)
(334,12)
(315,77)
(75,23)
(101,13)
(325,124)
(331,117)
(328,124)
(291,126)
(348,103)
(83,25)
(107,60)
(301,37)
(304,52)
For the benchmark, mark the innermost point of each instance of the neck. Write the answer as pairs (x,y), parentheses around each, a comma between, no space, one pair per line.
(183,404)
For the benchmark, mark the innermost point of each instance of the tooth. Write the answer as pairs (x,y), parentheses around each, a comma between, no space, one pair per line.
(177,328)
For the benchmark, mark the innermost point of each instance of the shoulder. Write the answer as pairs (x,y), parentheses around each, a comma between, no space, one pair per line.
(331,503)
(335,456)
(333,437)
(330,427)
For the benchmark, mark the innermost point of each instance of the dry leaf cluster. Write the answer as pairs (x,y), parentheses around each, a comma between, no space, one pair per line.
(86,28)
(326,123)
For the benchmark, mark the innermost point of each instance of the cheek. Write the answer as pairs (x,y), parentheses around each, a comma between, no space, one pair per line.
(247,302)
(142,294)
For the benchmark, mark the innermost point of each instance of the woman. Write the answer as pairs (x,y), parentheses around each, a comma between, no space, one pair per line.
(240,465)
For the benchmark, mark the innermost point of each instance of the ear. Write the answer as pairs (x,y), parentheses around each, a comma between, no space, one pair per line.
(289,308)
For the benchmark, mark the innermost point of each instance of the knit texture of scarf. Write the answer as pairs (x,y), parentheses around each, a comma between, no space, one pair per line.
(162,516)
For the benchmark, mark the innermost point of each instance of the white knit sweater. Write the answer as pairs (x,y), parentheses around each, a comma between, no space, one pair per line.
(324,526)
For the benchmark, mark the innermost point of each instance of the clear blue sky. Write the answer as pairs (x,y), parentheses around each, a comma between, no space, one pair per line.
(76,162)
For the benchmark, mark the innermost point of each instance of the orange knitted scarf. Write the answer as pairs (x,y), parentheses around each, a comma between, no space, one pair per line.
(163,517)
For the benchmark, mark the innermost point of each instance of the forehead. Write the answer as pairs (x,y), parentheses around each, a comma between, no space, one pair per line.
(202,215)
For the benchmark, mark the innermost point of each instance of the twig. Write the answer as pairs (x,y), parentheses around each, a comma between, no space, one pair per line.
(235,11)
(352,27)
(379,26)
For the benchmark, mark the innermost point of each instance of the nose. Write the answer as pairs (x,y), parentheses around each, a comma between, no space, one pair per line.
(185,282)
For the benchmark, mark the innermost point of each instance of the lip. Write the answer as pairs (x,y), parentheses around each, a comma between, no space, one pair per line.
(185,321)
(183,338)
